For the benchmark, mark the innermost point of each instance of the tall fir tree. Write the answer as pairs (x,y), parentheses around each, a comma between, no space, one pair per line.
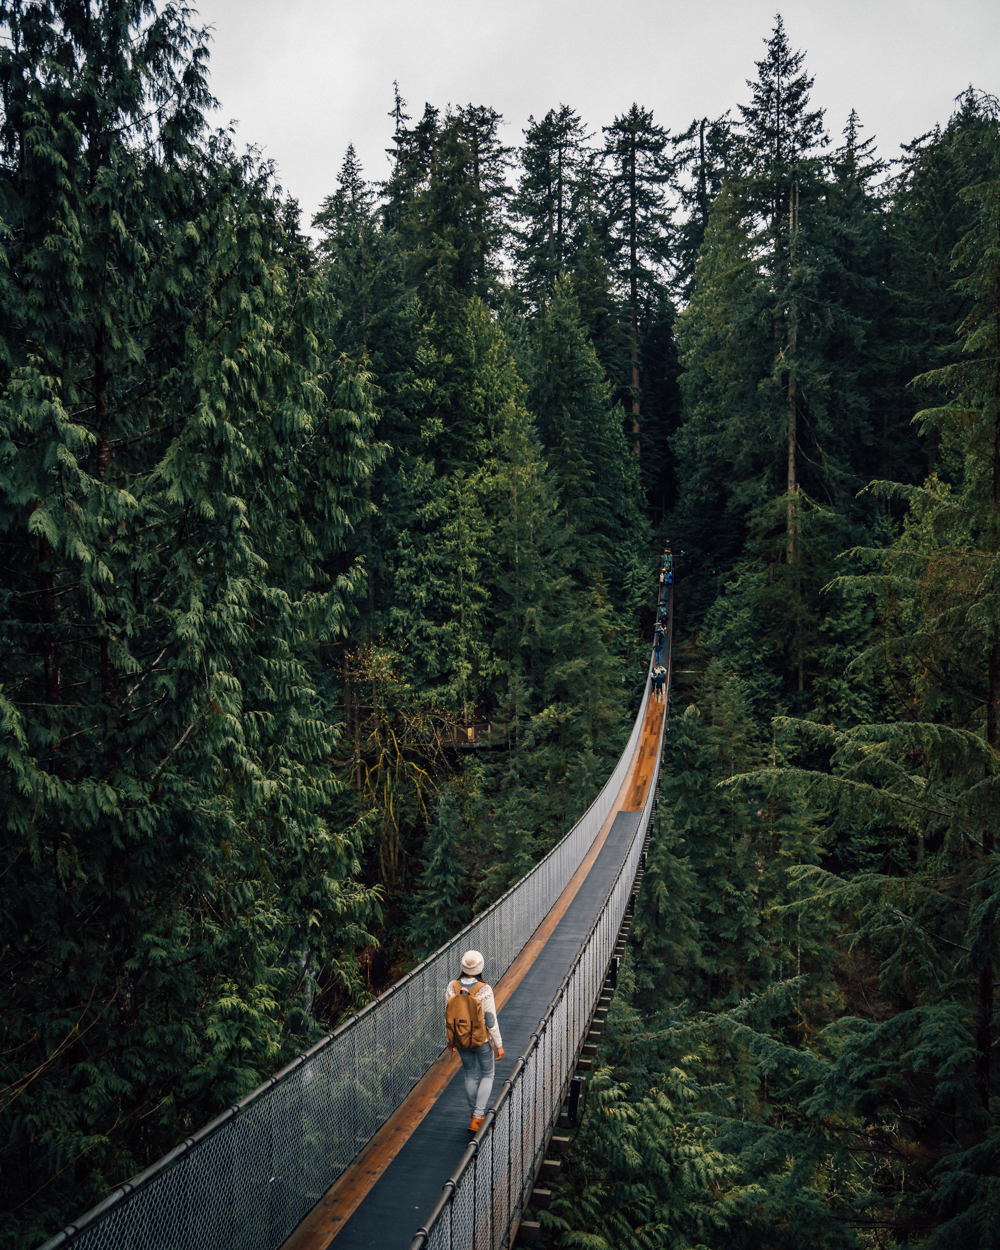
(554,201)
(780,133)
(637,220)
(350,245)
(705,156)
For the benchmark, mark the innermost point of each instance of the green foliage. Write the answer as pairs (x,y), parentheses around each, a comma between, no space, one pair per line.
(638,215)
(640,1173)
(704,155)
(780,133)
(787,333)
(440,907)
(445,198)
(816,942)
(283,705)
(595,471)
(554,203)
(178,469)
(558,682)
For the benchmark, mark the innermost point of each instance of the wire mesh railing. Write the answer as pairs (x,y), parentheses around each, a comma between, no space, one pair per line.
(248,1178)
(486,1194)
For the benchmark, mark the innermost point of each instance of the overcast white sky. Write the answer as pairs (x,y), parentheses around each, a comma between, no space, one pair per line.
(303,78)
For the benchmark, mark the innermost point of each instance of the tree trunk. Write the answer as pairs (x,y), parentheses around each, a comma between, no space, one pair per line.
(634,352)
(992,712)
(560,249)
(101,405)
(793,484)
(351,717)
(109,678)
(984,1015)
(633,230)
(996,401)
(50,652)
(480,219)
(369,550)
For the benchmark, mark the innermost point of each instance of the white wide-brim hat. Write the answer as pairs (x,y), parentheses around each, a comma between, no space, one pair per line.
(473,963)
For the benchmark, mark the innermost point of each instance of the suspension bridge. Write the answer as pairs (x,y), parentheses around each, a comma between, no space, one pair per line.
(362,1141)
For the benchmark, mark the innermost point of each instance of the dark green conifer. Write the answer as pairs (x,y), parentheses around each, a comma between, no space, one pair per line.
(596,472)
(445,201)
(177,477)
(556,680)
(350,244)
(440,903)
(638,220)
(781,134)
(553,201)
(705,155)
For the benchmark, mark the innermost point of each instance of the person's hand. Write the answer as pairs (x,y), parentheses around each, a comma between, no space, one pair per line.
(451,1049)
(498,1053)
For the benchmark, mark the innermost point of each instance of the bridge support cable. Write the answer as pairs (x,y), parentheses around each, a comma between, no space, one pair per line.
(246,1180)
(482,1201)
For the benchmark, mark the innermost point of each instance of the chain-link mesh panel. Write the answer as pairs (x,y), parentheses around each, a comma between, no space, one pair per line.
(246,1180)
(497,1181)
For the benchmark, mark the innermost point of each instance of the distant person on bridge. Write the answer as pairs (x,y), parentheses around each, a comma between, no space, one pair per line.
(658,640)
(471,1025)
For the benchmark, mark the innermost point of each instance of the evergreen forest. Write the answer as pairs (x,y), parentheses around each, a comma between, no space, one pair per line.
(327,561)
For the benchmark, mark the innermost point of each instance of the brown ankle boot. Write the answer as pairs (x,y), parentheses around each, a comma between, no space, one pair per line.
(476,1123)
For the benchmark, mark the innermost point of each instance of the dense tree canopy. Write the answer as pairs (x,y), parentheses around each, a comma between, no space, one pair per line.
(324,600)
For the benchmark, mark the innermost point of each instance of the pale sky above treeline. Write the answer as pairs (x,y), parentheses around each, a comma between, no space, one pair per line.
(303,78)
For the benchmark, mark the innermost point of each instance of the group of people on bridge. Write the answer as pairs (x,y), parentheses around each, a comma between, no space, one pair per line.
(658,637)
(659,674)
(658,677)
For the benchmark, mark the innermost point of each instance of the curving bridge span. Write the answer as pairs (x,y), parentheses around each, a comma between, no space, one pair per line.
(351,1142)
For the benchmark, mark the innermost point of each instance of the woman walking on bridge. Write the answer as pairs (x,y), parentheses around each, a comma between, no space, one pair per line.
(471,1025)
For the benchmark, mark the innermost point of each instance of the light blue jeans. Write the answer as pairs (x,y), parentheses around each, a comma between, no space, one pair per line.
(478,1072)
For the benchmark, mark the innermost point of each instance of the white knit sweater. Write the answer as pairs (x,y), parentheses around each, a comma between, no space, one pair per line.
(483,996)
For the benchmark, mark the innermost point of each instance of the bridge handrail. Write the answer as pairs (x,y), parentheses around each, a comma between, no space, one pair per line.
(249,1177)
(491,1186)
(481,1203)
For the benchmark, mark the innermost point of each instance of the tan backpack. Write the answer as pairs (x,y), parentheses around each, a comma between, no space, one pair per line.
(464,1017)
